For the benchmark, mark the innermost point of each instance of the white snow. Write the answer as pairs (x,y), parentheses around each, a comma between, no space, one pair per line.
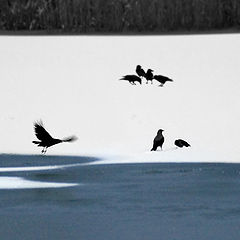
(21,183)
(71,83)
(39,168)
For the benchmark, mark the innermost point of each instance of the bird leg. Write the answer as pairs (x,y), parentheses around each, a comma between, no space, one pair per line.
(44,150)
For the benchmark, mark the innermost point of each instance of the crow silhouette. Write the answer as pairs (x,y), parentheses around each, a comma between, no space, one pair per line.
(140,72)
(158,140)
(149,75)
(46,140)
(162,79)
(181,143)
(132,79)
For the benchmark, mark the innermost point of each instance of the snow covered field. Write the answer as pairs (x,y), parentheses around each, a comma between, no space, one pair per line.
(72,84)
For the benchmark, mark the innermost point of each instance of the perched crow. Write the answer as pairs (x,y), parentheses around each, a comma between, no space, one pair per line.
(46,140)
(149,75)
(140,72)
(158,140)
(181,143)
(132,79)
(162,79)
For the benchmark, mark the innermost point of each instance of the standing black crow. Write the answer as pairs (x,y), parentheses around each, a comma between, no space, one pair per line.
(162,79)
(181,143)
(46,140)
(149,75)
(158,140)
(132,79)
(140,72)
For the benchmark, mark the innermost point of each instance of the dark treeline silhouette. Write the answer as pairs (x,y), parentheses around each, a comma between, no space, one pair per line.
(46,140)
(119,16)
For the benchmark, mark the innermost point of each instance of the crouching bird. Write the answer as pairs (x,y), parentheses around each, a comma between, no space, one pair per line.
(158,140)
(132,79)
(46,140)
(162,79)
(181,143)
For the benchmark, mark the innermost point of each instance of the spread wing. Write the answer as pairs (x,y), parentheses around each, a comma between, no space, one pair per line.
(40,132)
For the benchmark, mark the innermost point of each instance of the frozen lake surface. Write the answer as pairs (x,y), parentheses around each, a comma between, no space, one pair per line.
(60,197)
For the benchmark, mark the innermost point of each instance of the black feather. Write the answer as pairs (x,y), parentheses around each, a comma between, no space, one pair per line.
(181,143)
(158,140)
(140,72)
(162,79)
(46,140)
(40,132)
(132,79)
(70,139)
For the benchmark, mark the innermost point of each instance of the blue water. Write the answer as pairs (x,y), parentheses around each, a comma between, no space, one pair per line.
(172,201)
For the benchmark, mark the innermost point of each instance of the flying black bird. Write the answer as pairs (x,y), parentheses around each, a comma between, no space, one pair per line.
(46,140)
(140,72)
(158,140)
(181,143)
(132,79)
(162,79)
(149,75)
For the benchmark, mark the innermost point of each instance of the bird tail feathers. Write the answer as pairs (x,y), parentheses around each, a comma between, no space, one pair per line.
(70,139)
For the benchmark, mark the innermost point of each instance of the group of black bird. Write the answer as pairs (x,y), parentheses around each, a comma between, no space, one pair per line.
(159,140)
(148,75)
(46,140)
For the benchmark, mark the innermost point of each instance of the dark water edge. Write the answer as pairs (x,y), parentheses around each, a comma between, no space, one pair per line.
(122,201)
(29,160)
